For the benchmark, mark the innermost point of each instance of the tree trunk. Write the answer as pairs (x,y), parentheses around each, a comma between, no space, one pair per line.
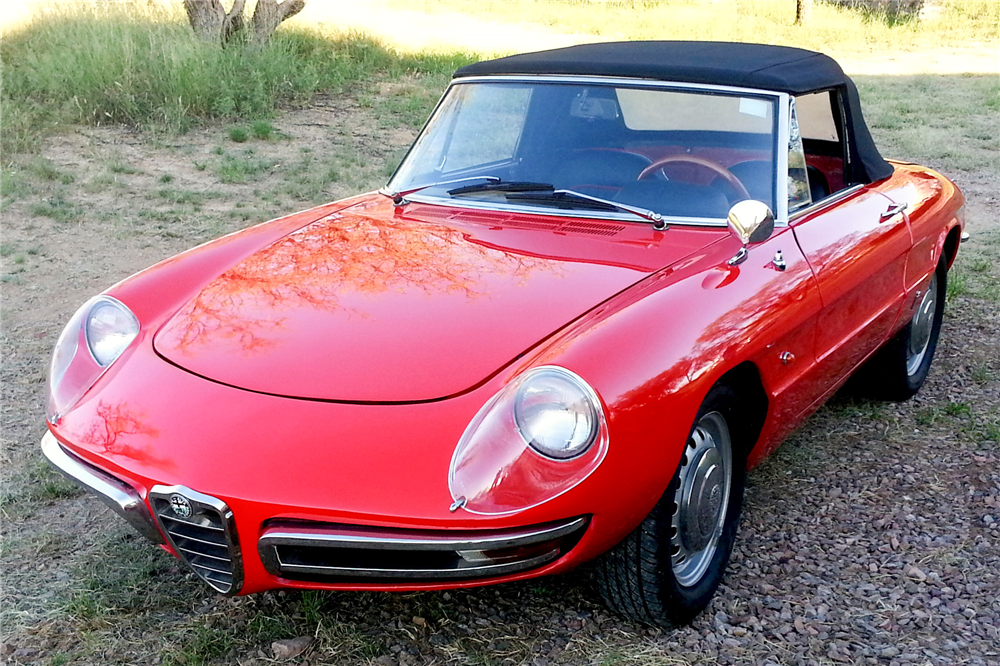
(206,17)
(269,14)
(803,11)
(234,21)
(211,22)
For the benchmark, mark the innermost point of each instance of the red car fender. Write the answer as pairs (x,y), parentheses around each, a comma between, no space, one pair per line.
(653,353)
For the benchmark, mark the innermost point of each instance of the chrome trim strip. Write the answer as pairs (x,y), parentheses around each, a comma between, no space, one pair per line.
(463,572)
(497,206)
(211,528)
(781,183)
(211,557)
(371,539)
(613,80)
(121,497)
(232,539)
(828,201)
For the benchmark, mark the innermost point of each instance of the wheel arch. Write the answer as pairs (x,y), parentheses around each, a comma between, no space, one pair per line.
(745,381)
(951,242)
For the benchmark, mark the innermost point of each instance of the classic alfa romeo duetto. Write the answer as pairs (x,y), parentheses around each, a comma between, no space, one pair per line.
(605,281)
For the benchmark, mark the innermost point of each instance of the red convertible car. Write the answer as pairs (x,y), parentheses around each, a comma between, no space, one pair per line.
(605,281)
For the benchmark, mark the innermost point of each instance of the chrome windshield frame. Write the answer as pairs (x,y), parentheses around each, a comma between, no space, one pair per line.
(780,138)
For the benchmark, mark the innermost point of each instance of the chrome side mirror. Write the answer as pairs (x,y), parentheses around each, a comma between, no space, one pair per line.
(752,222)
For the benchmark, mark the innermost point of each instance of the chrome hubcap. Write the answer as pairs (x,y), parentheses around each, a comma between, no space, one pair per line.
(701,499)
(920,329)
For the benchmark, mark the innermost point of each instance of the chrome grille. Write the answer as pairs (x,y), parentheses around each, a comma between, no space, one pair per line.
(324,552)
(202,532)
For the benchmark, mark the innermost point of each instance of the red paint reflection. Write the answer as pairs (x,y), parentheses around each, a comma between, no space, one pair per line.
(327,264)
(120,432)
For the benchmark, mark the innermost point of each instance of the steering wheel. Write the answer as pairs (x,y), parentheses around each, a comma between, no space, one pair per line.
(722,171)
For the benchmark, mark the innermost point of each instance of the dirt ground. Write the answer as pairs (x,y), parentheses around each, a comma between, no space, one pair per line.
(872,537)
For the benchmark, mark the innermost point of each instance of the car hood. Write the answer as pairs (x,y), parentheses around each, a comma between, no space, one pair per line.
(388,305)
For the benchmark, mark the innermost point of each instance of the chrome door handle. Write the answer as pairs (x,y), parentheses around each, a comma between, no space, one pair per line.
(892,211)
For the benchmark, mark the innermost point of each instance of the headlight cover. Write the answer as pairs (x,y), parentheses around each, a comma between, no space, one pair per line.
(537,438)
(105,328)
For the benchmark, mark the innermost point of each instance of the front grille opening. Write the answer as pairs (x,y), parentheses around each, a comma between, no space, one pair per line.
(322,552)
(201,530)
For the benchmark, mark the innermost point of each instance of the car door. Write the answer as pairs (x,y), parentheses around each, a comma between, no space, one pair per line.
(857,250)
(855,239)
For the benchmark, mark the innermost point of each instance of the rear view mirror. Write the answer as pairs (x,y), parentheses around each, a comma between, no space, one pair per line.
(752,222)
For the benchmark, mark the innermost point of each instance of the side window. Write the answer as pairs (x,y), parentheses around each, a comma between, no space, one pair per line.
(799,195)
(501,108)
(824,141)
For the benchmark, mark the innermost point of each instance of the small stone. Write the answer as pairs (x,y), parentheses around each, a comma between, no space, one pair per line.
(290,648)
(419,621)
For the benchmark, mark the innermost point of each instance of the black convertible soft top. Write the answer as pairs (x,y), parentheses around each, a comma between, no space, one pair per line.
(774,68)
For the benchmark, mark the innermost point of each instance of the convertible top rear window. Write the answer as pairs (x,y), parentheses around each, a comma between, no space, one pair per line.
(661,110)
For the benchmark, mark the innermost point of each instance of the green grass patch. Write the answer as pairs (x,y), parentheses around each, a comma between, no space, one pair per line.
(238,134)
(43,169)
(125,579)
(37,482)
(203,646)
(118,166)
(11,184)
(237,169)
(176,196)
(141,65)
(262,130)
(55,207)
(982,374)
(945,122)
(975,273)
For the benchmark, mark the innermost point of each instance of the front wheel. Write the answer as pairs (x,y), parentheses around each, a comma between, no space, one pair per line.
(667,570)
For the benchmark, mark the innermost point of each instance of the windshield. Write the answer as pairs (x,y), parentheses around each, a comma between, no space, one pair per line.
(682,153)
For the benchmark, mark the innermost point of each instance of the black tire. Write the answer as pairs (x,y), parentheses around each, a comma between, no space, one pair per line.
(639,578)
(898,370)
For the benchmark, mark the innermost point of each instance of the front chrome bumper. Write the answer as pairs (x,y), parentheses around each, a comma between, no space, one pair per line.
(201,530)
(121,497)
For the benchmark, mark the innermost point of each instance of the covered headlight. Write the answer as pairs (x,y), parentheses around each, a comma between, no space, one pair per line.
(540,436)
(556,413)
(105,328)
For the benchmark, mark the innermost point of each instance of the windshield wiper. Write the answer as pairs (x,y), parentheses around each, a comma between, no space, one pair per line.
(399,198)
(574,199)
(507,186)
